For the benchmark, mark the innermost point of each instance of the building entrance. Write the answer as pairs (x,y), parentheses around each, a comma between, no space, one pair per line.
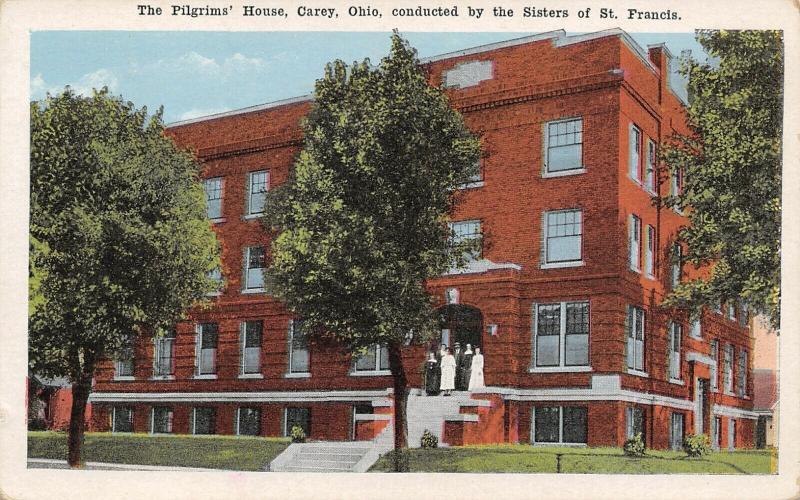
(462,324)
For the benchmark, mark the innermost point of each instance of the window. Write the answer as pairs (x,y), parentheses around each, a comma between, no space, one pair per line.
(727,368)
(213,188)
(123,364)
(716,432)
(164,355)
(250,347)
(297,416)
(467,230)
(563,232)
(635,345)
(258,184)
(298,348)
(714,369)
(650,251)
(561,335)
(255,262)
(121,419)
(718,306)
(374,360)
(676,182)
(205,360)
(676,432)
(675,333)
(634,422)
(634,153)
(744,314)
(204,420)
(650,169)
(248,422)
(731,434)
(215,275)
(696,330)
(475,173)
(731,311)
(161,420)
(677,257)
(635,242)
(560,424)
(564,146)
(741,381)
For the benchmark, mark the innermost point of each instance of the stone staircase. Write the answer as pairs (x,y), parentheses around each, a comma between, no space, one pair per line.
(431,413)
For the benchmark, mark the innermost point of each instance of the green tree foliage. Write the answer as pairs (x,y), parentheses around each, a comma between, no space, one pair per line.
(362,222)
(731,166)
(120,242)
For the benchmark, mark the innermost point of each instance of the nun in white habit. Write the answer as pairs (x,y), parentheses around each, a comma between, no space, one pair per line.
(448,366)
(476,374)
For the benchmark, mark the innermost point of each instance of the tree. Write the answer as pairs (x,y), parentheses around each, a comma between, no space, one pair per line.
(362,222)
(120,241)
(731,165)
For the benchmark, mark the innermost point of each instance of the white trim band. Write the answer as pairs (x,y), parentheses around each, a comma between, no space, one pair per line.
(236,397)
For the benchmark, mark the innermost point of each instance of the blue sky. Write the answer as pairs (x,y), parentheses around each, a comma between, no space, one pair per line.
(199,73)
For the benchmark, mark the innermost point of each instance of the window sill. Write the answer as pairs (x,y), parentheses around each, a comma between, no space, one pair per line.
(162,377)
(124,378)
(560,265)
(252,216)
(297,375)
(250,291)
(218,220)
(677,381)
(207,376)
(649,276)
(471,185)
(638,373)
(728,393)
(370,373)
(251,375)
(563,173)
(634,269)
(559,369)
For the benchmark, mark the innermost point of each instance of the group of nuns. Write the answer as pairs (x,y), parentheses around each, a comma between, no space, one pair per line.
(460,370)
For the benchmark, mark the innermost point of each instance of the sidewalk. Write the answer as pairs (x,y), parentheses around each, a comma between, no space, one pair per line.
(47,463)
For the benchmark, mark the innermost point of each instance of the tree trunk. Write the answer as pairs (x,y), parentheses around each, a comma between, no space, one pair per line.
(400,399)
(80,396)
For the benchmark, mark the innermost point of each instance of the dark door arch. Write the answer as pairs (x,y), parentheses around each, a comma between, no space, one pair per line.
(461,323)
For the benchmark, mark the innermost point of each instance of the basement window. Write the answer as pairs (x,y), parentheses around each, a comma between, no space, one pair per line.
(568,425)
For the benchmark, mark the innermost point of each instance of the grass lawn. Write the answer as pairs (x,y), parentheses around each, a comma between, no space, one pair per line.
(525,458)
(213,452)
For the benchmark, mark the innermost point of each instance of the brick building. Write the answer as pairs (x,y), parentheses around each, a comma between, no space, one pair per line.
(563,298)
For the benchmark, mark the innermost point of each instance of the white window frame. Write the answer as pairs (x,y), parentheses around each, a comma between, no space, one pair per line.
(580,168)
(198,368)
(247,286)
(458,238)
(727,369)
(159,342)
(714,343)
(696,328)
(629,421)
(731,310)
(210,189)
(741,380)
(377,353)
(170,420)
(562,339)
(635,153)
(250,185)
(677,264)
(675,334)
(637,326)
(560,441)
(123,365)
(238,422)
(650,252)
(244,370)
(676,444)
(546,262)
(650,167)
(114,419)
(635,243)
(290,372)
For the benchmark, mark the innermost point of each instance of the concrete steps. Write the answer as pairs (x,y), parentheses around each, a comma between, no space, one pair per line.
(431,412)
(323,457)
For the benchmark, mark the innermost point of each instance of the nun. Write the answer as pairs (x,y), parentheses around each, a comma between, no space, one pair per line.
(448,382)
(476,374)
(431,375)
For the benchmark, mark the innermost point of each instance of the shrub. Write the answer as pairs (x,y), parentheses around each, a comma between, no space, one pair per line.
(634,447)
(696,445)
(399,460)
(298,435)
(429,440)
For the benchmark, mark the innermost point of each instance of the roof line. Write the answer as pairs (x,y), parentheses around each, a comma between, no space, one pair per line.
(559,37)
